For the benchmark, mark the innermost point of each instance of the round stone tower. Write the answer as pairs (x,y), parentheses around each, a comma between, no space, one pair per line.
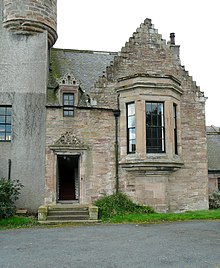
(31,17)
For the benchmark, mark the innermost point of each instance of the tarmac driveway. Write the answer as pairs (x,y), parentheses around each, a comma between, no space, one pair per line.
(184,244)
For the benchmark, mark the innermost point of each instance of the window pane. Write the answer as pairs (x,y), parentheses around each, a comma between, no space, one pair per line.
(8,128)
(8,137)
(2,128)
(71,102)
(131,109)
(65,113)
(131,121)
(2,110)
(8,119)
(154,108)
(2,119)
(132,133)
(71,97)
(148,107)
(2,136)
(132,145)
(8,111)
(65,97)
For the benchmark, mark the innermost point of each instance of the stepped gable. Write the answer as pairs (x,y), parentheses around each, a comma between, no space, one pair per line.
(146,52)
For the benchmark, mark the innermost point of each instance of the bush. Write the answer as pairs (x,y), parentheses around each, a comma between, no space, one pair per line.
(119,204)
(214,200)
(9,192)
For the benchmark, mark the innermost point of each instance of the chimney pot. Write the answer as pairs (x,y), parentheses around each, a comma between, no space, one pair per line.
(172,38)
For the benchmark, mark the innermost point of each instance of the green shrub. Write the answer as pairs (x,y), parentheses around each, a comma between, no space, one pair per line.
(214,200)
(119,204)
(9,192)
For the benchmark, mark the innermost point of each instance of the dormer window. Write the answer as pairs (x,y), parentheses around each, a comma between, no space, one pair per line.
(68,105)
(69,88)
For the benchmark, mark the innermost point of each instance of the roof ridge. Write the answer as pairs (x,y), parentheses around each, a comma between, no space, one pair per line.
(86,51)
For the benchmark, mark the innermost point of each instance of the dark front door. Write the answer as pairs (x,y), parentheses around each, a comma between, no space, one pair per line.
(68,183)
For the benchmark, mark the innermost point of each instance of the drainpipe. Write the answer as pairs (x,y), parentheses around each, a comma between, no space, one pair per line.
(116,114)
(9,169)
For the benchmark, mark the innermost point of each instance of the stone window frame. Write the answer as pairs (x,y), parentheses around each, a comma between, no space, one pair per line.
(5,123)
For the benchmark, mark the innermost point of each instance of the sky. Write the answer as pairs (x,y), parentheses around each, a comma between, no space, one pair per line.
(104,25)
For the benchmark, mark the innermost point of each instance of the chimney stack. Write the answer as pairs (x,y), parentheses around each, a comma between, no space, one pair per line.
(173,46)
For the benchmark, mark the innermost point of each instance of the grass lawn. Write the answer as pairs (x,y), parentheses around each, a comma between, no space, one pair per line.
(168,217)
(18,222)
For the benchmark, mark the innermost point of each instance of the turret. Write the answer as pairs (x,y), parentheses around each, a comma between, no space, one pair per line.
(30,17)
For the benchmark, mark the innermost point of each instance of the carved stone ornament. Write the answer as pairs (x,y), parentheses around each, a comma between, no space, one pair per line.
(68,79)
(68,140)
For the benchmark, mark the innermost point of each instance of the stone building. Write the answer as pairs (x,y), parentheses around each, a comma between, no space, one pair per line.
(76,125)
(213,145)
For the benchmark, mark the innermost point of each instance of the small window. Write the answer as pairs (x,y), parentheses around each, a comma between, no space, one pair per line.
(175,128)
(219,184)
(68,105)
(155,129)
(5,123)
(131,128)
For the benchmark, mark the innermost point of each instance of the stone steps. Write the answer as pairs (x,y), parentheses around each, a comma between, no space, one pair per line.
(67,213)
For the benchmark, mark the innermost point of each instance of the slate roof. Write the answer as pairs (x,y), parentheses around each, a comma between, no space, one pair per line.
(85,65)
(213,144)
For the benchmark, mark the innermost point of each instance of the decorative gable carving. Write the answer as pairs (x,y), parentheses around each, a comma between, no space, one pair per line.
(68,80)
(68,140)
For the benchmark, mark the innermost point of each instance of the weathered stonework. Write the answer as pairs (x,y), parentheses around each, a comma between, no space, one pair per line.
(31,17)
(97,164)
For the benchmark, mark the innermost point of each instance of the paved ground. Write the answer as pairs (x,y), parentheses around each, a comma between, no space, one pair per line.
(187,244)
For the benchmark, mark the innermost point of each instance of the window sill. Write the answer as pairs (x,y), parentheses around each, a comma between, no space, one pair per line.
(153,165)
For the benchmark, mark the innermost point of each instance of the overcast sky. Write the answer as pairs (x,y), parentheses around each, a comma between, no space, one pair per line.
(105,25)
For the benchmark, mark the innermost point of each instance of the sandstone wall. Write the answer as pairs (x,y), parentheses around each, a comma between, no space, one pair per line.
(95,130)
